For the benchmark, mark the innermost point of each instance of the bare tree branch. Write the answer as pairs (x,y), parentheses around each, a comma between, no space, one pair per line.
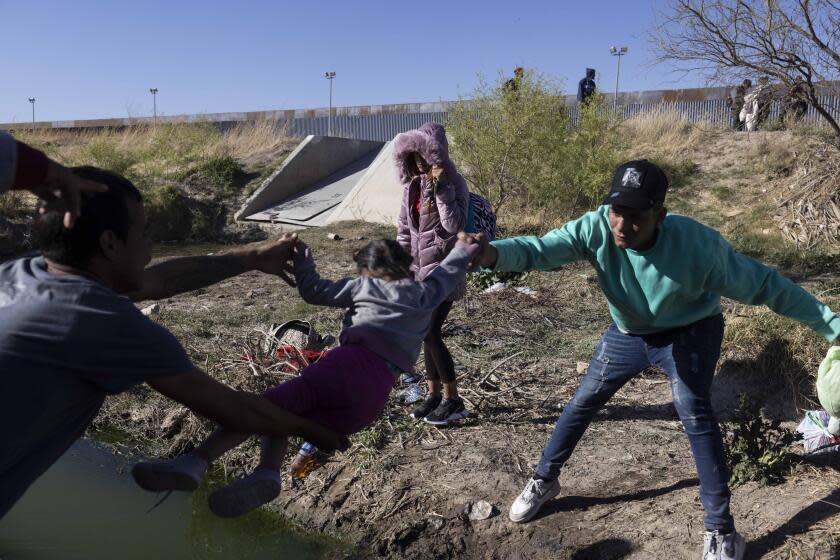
(796,42)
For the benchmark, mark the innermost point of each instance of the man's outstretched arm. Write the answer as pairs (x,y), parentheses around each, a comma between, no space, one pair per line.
(184,274)
(242,412)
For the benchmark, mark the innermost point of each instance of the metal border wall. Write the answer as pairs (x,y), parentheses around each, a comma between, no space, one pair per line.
(383,122)
(364,127)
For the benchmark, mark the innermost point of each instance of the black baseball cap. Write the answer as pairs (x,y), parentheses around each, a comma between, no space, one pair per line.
(638,184)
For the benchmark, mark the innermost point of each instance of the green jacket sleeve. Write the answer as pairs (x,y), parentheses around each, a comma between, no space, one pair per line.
(746,280)
(552,250)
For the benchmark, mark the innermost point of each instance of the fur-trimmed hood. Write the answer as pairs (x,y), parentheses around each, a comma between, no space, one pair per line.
(430,142)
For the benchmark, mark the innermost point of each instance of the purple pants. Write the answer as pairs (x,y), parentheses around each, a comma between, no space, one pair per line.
(345,391)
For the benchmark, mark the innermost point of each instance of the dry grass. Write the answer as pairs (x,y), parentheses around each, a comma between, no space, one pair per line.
(154,152)
(665,134)
(776,349)
(192,175)
(16,203)
(256,143)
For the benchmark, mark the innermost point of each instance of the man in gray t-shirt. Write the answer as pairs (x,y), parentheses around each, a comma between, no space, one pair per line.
(66,343)
(69,336)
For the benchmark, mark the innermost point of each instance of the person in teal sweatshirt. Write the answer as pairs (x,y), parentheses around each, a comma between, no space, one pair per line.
(663,276)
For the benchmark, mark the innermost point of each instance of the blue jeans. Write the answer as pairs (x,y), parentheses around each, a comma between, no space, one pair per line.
(688,356)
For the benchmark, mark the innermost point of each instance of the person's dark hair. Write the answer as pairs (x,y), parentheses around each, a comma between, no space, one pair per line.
(99,212)
(384,257)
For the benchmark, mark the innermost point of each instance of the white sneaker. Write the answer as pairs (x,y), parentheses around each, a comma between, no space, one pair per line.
(528,503)
(245,494)
(184,473)
(720,546)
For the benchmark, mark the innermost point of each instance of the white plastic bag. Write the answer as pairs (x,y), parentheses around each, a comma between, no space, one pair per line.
(815,435)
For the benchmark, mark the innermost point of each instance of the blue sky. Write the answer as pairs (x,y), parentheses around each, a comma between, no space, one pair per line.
(90,59)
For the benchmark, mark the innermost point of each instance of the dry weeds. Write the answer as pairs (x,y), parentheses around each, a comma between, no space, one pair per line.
(809,208)
(665,134)
(164,149)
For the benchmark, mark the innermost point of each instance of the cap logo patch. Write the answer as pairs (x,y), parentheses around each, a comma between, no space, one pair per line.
(632,178)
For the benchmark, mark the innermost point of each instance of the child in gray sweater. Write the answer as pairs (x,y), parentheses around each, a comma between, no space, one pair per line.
(388,314)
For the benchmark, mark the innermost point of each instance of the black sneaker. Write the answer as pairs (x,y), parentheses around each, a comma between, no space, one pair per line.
(430,403)
(447,411)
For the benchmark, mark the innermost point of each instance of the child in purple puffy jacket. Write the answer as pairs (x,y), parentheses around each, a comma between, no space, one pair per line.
(434,210)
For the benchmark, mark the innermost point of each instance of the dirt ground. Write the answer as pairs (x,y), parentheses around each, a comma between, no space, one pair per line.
(629,491)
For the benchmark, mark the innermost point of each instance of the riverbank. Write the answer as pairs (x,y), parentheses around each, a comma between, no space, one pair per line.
(402,490)
(630,489)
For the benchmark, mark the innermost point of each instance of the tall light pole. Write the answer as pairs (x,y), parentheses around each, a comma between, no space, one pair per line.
(153,91)
(32,100)
(619,52)
(330,76)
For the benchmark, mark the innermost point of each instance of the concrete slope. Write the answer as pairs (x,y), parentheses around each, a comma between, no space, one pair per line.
(314,160)
(310,206)
(376,197)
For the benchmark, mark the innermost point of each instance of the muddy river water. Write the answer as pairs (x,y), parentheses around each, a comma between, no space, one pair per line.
(87,507)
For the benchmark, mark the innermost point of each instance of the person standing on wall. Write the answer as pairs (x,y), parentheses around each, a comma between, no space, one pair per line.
(586,87)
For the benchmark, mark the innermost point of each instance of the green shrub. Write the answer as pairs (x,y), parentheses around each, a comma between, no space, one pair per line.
(585,162)
(103,152)
(519,144)
(172,216)
(167,214)
(208,221)
(504,140)
(756,448)
(222,172)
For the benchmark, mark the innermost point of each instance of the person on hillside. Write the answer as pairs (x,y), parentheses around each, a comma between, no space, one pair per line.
(434,210)
(70,336)
(513,84)
(735,102)
(749,115)
(25,168)
(663,276)
(763,98)
(796,105)
(586,87)
(387,316)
